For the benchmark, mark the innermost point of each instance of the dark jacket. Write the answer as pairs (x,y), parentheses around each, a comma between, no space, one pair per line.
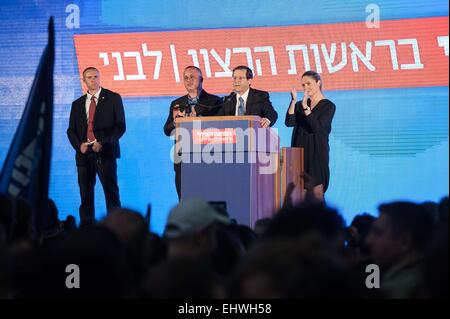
(203,108)
(258,103)
(109,124)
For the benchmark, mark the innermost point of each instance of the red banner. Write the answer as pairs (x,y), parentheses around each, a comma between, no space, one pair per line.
(400,53)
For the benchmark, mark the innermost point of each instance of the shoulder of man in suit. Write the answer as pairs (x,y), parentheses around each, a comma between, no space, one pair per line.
(210,97)
(105,92)
(258,96)
(258,92)
(81,99)
(179,100)
(205,95)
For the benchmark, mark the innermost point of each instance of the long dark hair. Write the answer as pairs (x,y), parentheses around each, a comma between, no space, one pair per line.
(314,75)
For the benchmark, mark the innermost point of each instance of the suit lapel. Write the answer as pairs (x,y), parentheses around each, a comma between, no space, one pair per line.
(101,101)
(202,95)
(233,105)
(83,115)
(249,103)
(184,101)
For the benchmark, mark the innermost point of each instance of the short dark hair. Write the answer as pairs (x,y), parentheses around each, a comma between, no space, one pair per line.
(90,68)
(314,75)
(196,68)
(443,210)
(298,220)
(248,71)
(410,218)
(363,223)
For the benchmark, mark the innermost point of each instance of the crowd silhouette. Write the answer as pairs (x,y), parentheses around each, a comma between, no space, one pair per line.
(303,251)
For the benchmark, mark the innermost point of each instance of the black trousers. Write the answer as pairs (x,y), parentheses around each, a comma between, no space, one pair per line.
(177,168)
(106,168)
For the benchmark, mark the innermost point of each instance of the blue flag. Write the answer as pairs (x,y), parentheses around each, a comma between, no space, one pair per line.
(26,170)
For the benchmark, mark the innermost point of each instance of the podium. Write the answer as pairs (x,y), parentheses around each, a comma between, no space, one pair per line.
(292,167)
(230,159)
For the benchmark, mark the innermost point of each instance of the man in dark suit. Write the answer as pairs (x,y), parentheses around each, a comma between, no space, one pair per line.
(247,101)
(97,121)
(197,102)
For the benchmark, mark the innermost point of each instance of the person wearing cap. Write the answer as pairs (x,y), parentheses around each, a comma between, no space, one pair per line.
(191,228)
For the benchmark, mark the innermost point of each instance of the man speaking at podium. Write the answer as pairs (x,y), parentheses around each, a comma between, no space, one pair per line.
(197,102)
(247,101)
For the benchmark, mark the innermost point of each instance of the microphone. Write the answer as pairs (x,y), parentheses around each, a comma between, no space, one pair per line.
(223,100)
(308,105)
(188,108)
(183,108)
(229,97)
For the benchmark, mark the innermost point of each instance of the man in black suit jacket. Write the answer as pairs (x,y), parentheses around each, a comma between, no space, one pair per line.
(196,103)
(247,101)
(97,121)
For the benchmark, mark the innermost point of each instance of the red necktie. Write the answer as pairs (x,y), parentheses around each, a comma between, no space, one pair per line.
(90,132)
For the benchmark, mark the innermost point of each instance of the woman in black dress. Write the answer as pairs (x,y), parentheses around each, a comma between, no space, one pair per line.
(311,119)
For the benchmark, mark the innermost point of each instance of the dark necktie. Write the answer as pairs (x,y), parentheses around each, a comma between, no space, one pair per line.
(241,107)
